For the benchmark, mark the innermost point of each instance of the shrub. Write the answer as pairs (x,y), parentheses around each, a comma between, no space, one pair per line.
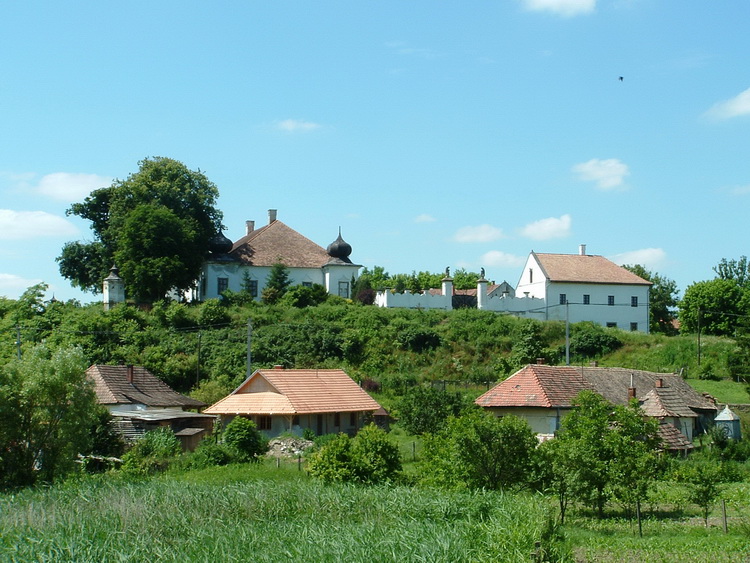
(213,313)
(426,409)
(153,452)
(242,435)
(591,341)
(418,339)
(209,454)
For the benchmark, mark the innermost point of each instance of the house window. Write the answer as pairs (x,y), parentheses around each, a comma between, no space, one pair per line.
(563,299)
(586,299)
(252,287)
(610,299)
(352,419)
(344,289)
(337,419)
(611,325)
(634,301)
(633,326)
(223,285)
(264,422)
(306,284)
(295,420)
(531,275)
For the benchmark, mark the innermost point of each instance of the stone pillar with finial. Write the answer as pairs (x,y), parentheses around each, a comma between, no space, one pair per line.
(113,289)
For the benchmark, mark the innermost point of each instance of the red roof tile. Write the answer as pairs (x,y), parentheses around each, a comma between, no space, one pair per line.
(276,242)
(536,386)
(585,268)
(112,387)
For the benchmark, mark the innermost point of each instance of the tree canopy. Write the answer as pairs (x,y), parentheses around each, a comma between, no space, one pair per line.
(155,225)
(662,300)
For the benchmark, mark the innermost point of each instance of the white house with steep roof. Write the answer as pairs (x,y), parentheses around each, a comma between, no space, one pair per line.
(248,261)
(585,287)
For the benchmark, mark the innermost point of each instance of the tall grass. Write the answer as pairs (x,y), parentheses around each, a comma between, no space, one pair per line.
(265,520)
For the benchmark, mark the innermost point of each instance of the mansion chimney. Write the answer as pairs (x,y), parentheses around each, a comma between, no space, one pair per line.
(129,375)
(582,249)
(271,216)
(249,227)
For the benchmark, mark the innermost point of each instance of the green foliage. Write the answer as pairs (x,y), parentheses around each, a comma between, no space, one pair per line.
(480,451)
(715,306)
(736,270)
(703,478)
(213,313)
(152,453)
(47,409)
(156,225)
(300,296)
(529,346)
(243,435)
(418,339)
(662,300)
(368,458)
(277,283)
(426,409)
(589,340)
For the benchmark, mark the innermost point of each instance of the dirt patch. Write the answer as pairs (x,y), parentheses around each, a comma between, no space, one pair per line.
(288,446)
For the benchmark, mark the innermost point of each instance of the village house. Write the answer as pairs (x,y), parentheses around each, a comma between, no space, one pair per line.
(139,402)
(542,395)
(282,400)
(247,263)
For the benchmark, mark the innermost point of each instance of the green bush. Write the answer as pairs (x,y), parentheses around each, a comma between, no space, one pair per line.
(152,453)
(242,435)
(588,340)
(426,409)
(368,458)
(209,454)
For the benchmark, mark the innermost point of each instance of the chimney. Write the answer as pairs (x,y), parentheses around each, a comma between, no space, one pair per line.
(631,389)
(271,216)
(278,367)
(594,364)
(582,249)
(129,373)
(249,227)
(540,361)
(659,383)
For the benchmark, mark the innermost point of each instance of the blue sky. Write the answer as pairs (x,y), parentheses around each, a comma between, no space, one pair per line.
(433,133)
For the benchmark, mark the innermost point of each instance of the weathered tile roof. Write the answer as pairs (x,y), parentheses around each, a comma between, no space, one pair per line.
(295,391)
(536,386)
(276,242)
(672,439)
(112,387)
(585,268)
(666,402)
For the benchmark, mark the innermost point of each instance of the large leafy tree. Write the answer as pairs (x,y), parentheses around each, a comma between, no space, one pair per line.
(737,270)
(155,225)
(47,409)
(714,307)
(662,300)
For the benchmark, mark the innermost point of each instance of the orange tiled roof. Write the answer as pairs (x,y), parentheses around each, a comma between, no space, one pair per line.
(276,242)
(585,268)
(536,386)
(295,391)
(112,387)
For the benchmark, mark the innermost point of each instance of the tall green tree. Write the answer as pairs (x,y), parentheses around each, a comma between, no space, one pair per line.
(662,300)
(156,225)
(47,408)
(737,270)
(715,307)
(277,284)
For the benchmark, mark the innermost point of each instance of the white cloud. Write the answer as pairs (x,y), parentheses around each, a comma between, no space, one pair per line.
(65,186)
(608,173)
(500,259)
(545,229)
(741,190)
(15,225)
(12,286)
(424,218)
(734,107)
(648,257)
(297,125)
(564,8)
(480,233)
(401,48)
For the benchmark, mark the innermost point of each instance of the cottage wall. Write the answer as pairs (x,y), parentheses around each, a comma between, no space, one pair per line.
(541,420)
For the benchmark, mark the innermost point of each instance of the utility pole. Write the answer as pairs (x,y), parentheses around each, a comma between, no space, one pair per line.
(249,340)
(18,341)
(699,336)
(198,366)
(567,333)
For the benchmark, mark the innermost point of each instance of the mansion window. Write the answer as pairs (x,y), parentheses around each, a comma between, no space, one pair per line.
(586,299)
(306,284)
(611,325)
(252,287)
(344,289)
(610,299)
(634,301)
(223,285)
(563,299)
(633,326)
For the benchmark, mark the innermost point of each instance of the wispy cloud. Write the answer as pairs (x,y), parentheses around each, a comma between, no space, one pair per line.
(424,218)
(15,225)
(479,233)
(649,257)
(608,173)
(12,285)
(734,107)
(500,259)
(740,190)
(66,186)
(565,8)
(297,125)
(549,228)
(401,48)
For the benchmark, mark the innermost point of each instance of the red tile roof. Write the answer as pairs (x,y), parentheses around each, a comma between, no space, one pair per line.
(276,242)
(295,391)
(112,387)
(536,386)
(585,268)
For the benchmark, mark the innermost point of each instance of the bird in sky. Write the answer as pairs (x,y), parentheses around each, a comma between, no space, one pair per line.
(621,79)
